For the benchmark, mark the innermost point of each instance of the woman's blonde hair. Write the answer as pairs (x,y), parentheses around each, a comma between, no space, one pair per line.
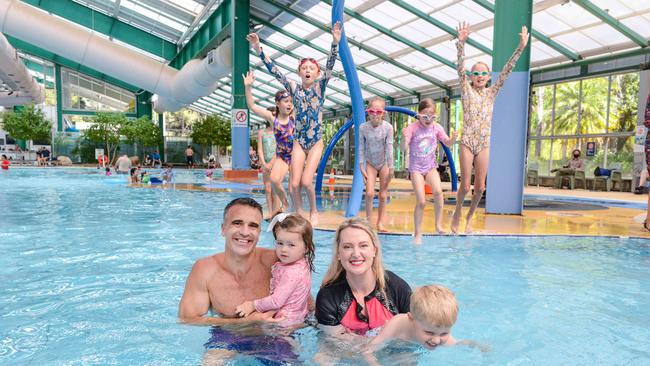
(336,269)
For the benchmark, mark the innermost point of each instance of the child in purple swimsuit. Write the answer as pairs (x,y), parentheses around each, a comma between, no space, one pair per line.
(421,138)
(283,126)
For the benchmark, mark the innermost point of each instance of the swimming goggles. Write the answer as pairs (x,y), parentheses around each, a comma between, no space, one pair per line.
(478,73)
(279,97)
(375,112)
(426,117)
(310,59)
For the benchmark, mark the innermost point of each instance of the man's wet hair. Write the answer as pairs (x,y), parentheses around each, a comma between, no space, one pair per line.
(243,201)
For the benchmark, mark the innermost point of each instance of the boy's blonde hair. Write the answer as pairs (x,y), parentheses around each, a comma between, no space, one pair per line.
(435,305)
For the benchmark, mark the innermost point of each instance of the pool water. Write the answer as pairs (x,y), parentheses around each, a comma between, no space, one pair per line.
(92,272)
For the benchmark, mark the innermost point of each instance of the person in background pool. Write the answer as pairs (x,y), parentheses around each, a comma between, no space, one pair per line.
(4,164)
(291,282)
(107,171)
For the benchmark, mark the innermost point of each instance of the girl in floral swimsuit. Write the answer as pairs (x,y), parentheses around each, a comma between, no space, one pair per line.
(283,126)
(308,98)
(478,100)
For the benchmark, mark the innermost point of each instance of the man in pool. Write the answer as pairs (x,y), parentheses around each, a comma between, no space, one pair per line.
(220,282)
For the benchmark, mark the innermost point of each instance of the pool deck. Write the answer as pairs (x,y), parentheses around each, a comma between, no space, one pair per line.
(547,211)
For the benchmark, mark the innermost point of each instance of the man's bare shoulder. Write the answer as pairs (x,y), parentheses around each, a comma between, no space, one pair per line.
(208,265)
(267,256)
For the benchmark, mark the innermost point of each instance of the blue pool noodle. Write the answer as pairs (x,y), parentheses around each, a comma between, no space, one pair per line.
(358,116)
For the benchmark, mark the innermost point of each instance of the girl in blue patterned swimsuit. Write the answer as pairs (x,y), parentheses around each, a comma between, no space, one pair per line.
(308,98)
(283,127)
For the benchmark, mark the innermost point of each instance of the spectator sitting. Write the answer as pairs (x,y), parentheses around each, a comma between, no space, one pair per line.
(212,161)
(575,164)
(156,159)
(148,161)
(45,156)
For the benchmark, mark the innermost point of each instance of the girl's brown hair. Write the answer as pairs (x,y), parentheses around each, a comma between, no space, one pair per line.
(426,103)
(297,224)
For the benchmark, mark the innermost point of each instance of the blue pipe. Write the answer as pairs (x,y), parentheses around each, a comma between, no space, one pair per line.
(358,113)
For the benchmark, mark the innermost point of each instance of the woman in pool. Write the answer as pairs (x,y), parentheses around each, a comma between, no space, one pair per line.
(357,294)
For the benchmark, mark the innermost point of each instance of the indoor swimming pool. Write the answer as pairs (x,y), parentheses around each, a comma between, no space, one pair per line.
(92,271)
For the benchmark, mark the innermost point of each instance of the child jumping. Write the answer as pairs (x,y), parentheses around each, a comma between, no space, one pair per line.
(283,128)
(421,139)
(376,157)
(478,101)
(308,98)
(291,275)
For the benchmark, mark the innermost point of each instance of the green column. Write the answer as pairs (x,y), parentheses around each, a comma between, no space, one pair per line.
(509,16)
(59,97)
(143,107)
(161,147)
(240,59)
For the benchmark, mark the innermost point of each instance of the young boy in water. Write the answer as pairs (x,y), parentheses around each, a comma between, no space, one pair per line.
(433,313)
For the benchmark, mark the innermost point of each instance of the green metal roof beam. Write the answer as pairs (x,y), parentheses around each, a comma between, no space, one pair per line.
(424,16)
(395,36)
(539,36)
(589,61)
(339,75)
(612,22)
(107,25)
(360,45)
(214,30)
(49,56)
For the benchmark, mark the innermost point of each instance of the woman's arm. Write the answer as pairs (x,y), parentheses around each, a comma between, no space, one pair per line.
(249,79)
(507,68)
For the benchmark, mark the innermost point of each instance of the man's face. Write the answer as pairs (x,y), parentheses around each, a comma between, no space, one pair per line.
(241,228)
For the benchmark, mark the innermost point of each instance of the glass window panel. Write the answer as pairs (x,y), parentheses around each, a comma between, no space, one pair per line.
(539,152)
(446,50)
(562,150)
(476,8)
(542,52)
(598,160)
(468,14)
(412,81)
(361,56)
(605,35)
(299,27)
(624,102)
(443,73)
(385,87)
(566,108)
(320,11)
(577,41)
(279,39)
(389,15)
(639,24)
(306,51)
(546,23)
(484,35)
(593,113)
(541,111)
(357,30)
(419,31)
(325,40)
(620,152)
(387,70)
(613,7)
(385,44)
(572,14)
(418,60)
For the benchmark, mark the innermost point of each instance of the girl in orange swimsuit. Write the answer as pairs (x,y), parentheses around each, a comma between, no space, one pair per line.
(478,101)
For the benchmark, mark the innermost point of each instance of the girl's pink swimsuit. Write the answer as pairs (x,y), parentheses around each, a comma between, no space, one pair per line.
(290,286)
(422,142)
